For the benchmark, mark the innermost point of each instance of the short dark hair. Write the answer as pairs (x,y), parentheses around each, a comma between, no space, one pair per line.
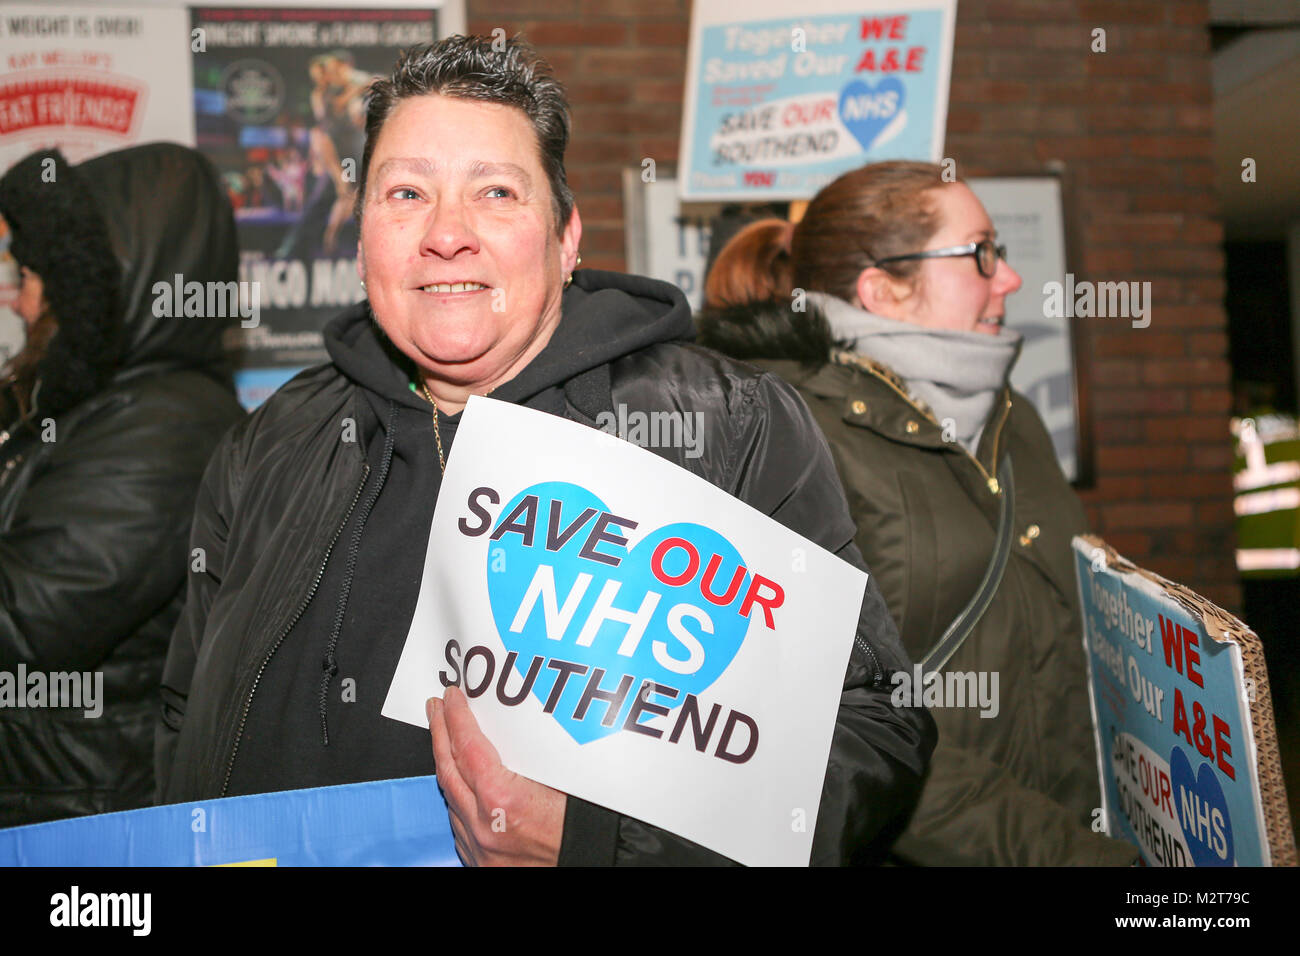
(509,72)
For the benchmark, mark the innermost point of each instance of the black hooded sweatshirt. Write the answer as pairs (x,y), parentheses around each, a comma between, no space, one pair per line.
(315,719)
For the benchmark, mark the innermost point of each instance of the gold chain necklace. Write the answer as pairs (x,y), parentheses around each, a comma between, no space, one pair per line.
(442,461)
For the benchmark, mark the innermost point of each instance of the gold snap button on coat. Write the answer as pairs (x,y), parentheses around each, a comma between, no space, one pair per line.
(859,407)
(913,428)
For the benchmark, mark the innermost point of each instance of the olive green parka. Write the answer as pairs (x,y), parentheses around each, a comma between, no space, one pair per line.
(1018,785)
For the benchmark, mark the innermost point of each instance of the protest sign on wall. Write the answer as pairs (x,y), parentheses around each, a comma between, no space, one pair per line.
(381,823)
(628,633)
(1184,721)
(779,104)
(87,79)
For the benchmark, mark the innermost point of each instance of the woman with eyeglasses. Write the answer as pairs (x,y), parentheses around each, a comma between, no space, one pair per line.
(884,307)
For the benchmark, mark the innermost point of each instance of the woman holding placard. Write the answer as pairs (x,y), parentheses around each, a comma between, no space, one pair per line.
(314,515)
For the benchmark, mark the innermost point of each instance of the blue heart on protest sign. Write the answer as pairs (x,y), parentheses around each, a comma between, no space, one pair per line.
(542,603)
(1202,811)
(867,110)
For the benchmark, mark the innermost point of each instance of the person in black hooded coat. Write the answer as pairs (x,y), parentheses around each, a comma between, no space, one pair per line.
(109,415)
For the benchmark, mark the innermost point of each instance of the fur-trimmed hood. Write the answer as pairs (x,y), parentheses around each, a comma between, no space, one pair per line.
(768,330)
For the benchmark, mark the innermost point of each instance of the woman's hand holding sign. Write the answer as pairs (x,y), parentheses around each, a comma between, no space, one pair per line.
(499,818)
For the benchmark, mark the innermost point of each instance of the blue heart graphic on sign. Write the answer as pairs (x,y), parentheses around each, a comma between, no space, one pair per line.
(1202,811)
(866,111)
(590,621)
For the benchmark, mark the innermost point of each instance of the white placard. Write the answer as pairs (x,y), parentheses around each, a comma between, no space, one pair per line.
(540,523)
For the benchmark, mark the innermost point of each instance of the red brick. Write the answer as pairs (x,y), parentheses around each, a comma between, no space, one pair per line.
(1161,39)
(1170,258)
(1188,428)
(1129,543)
(1201,175)
(1199,371)
(1207,289)
(662,149)
(1216,512)
(496,10)
(605,210)
(606,120)
(598,64)
(1029,63)
(1199,116)
(1190,486)
(1206,315)
(1213,457)
(1149,515)
(1210,400)
(1170,146)
(1195,13)
(577,33)
(1122,430)
(1115,63)
(1145,227)
(1075,148)
(1141,459)
(1116,372)
(1131,173)
(1207,343)
(1107,12)
(1175,568)
(583,94)
(590,180)
(1109,260)
(1184,202)
(1132,401)
(659,91)
(1038,10)
(1059,36)
(1141,117)
(606,261)
(1188,69)
(633,9)
(603,239)
(662,34)
(1139,342)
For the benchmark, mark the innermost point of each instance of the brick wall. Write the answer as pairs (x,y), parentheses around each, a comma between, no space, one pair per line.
(1133,128)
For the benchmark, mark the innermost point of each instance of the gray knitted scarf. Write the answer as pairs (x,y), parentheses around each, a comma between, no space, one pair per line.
(957,374)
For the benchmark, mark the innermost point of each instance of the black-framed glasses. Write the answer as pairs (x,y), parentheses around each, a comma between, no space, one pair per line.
(986,253)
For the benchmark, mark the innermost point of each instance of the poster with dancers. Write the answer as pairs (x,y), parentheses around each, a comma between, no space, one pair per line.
(279,107)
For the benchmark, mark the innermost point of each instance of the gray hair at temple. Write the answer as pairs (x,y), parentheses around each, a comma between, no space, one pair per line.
(470,68)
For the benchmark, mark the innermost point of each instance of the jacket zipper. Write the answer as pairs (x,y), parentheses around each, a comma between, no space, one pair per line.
(989,480)
(879,674)
(302,608)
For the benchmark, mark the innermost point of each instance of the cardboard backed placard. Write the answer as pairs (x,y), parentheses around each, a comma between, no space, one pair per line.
(629,633)
(1186,743)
